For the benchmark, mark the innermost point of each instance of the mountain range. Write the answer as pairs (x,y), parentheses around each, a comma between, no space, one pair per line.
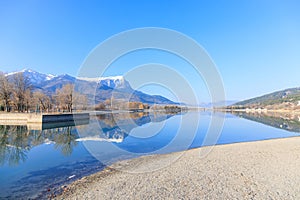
(284,99)
(96,89)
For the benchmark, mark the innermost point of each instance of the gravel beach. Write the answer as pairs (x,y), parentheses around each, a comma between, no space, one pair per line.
(255,170)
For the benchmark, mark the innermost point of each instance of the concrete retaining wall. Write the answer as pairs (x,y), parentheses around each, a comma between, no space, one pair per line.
(65,117)
(24,118)
(19,118)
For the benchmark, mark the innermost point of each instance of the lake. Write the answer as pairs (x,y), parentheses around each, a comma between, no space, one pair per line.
(36,161)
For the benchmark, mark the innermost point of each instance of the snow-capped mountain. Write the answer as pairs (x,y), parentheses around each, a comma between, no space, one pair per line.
(34,76)
(38,78)
(110,81)
(96,89)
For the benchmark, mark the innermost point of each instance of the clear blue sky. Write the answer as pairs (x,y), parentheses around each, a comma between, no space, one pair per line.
(255,44)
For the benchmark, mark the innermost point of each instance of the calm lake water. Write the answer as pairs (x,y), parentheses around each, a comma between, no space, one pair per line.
(36,161)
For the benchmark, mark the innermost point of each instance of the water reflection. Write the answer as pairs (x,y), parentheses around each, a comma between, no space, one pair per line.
(13,147)
(116,127)
(286,121)
(52,155)
(17,141)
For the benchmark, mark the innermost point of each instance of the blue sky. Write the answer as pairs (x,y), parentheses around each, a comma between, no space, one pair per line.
(255,44)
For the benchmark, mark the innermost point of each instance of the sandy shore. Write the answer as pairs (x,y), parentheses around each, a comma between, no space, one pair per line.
(255,170)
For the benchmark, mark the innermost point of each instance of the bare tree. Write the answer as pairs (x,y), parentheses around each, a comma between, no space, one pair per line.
(21,86)
(80,101)
(42,101)
(5,92)
(64,97)
(28,99)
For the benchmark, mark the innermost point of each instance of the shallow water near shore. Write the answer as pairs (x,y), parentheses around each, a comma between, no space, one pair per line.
(34,163)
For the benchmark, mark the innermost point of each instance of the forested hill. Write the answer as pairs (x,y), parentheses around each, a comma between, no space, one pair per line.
(288,98)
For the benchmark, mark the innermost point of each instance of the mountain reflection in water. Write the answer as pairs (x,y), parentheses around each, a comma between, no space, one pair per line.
(17,141)
(116,127)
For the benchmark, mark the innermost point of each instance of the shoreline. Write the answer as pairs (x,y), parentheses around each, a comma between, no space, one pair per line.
(38,120)
(258,169)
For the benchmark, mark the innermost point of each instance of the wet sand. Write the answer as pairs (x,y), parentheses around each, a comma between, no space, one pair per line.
(255,170)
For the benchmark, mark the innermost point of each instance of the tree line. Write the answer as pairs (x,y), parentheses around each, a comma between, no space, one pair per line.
(120,104)
(18,95)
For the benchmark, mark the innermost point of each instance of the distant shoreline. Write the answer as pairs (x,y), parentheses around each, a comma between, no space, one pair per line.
(255,110)
(14,118)
(23,118)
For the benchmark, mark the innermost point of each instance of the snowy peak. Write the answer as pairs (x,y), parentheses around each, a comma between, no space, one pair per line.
(110,81)
(113,82)
(34,76)
(39,79)
(99,79)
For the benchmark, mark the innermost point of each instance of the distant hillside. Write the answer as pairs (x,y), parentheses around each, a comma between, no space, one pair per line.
(96,89)
(284,99)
